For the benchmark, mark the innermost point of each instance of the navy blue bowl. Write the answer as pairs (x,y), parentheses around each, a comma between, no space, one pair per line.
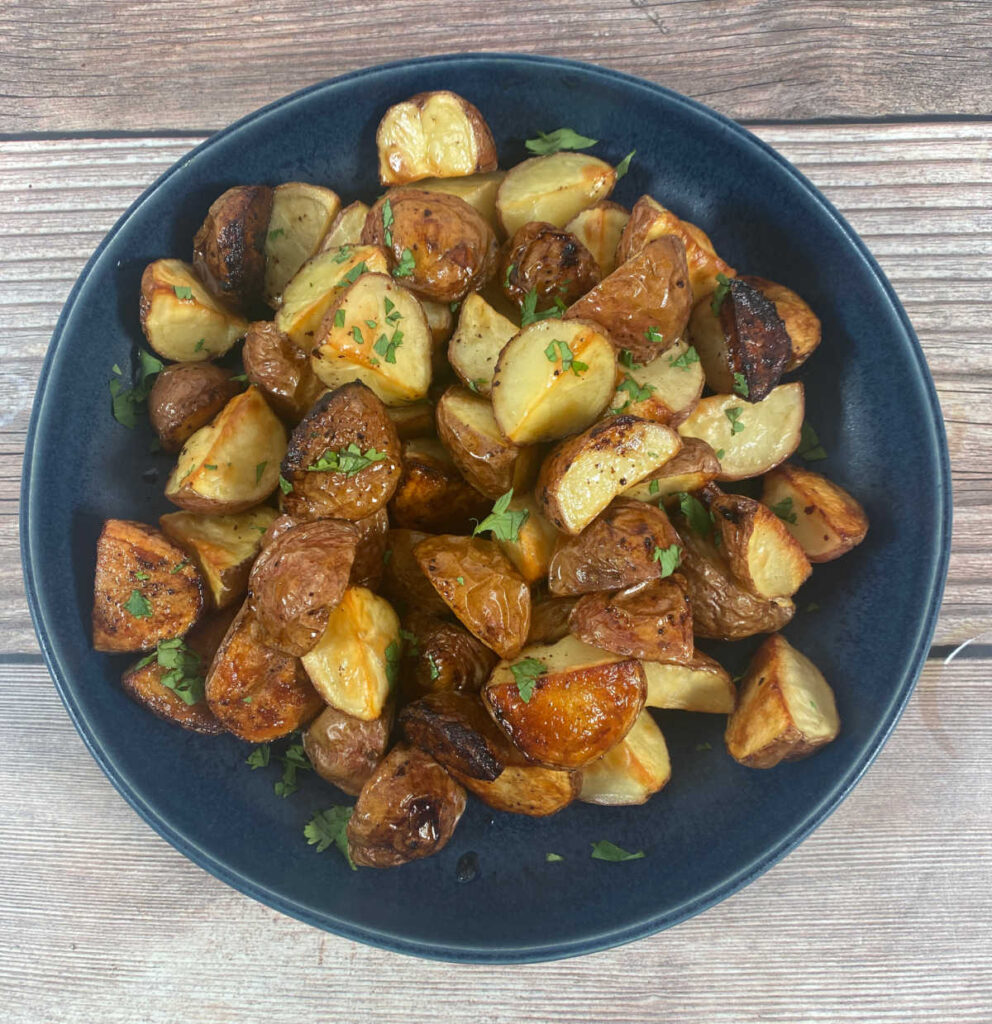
(717,825)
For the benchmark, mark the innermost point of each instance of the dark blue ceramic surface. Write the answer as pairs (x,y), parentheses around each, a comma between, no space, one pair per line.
(717,825)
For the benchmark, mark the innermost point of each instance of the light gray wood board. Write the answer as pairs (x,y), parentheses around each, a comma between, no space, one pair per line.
(921,196)
(881,916)
(185,66)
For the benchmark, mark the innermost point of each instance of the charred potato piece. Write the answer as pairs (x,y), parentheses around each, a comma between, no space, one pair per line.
(549,619)
(548,261)
(343,459)
(644,305)
(222,547)
(478,190)
(373,534)
(433,135)
(413,420)
(786,709)
(439,246)
(185,397)
(477,342)
(231,464)
(665,390)
(346,228)
(407,809)
(701,684)
(531,552)
(825,520)
(525,788)
(479,584)
(256,692)
(691,469)
(280,370)
(445,656)
(598,229)
(634,770)
(584,474)
(145,588)
(580,703)
(345,750)
(403,581)
(801,323)
(182,321)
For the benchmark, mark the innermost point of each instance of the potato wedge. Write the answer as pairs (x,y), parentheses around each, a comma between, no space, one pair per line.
(531,552)
(281,370)
(444,656)
(232,464)
(479,584)
(145,588)
(552,379)
(584,474)
(185,397)
(599,228)
(786,709)
(801,323)
(182,321)
(825,520)
(548,261)
(345,751)
(691,469)
(553,188)
(355,664)
(634,770)
(525,788)
(749,439)
(375,332)
(407,809)
(665,390)
(369,563)
(440,323)
(644,305)
(223,548)
(549,618)
(403,581)
(302,215)
(701,684)
(477,342)
(346,228)
(343,459)
(567,703)
(435,134)
(478,190)
(413,420)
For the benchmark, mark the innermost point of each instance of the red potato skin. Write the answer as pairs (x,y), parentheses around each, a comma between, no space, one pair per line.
(549,261)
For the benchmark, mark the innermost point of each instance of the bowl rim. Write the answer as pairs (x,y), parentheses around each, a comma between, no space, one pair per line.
(31,514)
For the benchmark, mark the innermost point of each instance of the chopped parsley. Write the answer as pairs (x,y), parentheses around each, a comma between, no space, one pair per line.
(698,516)
(624,165)
(432,666)
(393,653)
(460,580)
(783,509)
(184,674)
(259,757)
(553,858)
(387,223)
(740,385)
(568,360)
(605,850)
(349,460)
(668,557)
(387,347)
(529,313)
(284,485)
(506,277)
(404,268)
(654,335)
(719,294)
(328,828)
(178,567)
(183,293)
(635,392)
(294,759)
(355,273)
(809,445)
(356,333)
(339,318)
(125,403)
(142,576)
(525,675)
(259,470)
(627,359)
(138,606)
(504,524)
(734,415)
(199,345)
(343,253)
(654,487)
(392,313)
(410,642)
(720,452)
(276,233)
(684,361)
(560,138)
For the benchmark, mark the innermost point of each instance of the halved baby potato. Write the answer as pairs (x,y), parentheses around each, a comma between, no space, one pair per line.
(281,370)
(547,263)
(403,581)
(535,542)
(477,342)
(346,228)
(665,390)
(801,323)
(478,190)
(702,684)
(690,469)
(635,769)
(443,655)
(185,397)
(549,618)
(599,228)
(369,563)
(345,751)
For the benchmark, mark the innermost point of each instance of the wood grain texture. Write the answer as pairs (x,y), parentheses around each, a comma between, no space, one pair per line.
(184,65)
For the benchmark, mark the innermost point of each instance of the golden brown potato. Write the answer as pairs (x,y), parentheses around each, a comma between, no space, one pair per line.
(525,788)
(435,134)
(408,809)
(403,581)
(549,262)
(369,564)
(343,460)
(185,397)
(598,229)
(256,692)
(825,520)
(477,342)
(563,705)
(549,618)
(223,548)
(231,464)
(280,370)
(440,322)
(229,248)
(583,474)
(666,390)
(413,420)
(801,323)
(786,709)
(691,469)
(346,228)
(644,305)
(531,550)
(344,750)
(478,190)
(438,245)
(479,584)
(615,551)
(145,590)
(444,656)
(700,685)
(634,770)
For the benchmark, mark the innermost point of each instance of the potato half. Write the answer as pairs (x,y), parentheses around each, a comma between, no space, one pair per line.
(549,619)
(665,390)
(346,228)
(345,750)
(801,323)
(185,397)
(599,229)
(548,262)
(403,581)
(478,190)
(281,370)
(477,342)
(535,542)
(691,469)
(700,685)
(443,656)
(634,770)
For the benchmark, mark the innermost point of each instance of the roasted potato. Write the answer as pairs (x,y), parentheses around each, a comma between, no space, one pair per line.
(346,228)
(369,564)
(231,464)
(256,692)
(438,245)
(477,342)
(614,551)
(564,705)
(280,370)
(548,261)
(666,390)
(549,618)
(691,469)
(403,581)
(599,228)
(185,397)
(801,323)
(407,809)
(584,474)
(552,379)
(786,709)
(644,305)
(279,526)
(345,750)
(145,588)
(433,135)
(635,769)
(223,548)
(479,584)
(825,520)
(182,321)
(355,663)
(701,684)
(440,323)
(413,420)
(534,545)
(749,438)
(553,189)
(478,190)
(343,459)
(229,248)
(444,656)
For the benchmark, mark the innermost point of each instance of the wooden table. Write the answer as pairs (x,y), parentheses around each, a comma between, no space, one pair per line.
(885,914)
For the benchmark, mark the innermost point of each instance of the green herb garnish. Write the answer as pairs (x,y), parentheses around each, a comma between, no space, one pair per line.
(406,264)
(624,165)
(568,360)
(259,757)
(719,294)
(525,675)
(696,513)
(504,524)
(328,828)
(387,223)
(387,348)
(284,485)
(529,313)
(668,557)
(560,138)
(349,460)
(138,606)
(734,415)
(684,361)
(740,385)
(125,403)
(184,675)
(809,445)
(259,470)
(183,292)
(605,850)
(783,509)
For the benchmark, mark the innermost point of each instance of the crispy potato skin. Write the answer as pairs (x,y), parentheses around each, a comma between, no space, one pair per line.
(757,342)
(408,809)
(525,788)
(453,249)
(345,750)
(446,657)
(403,581)
(650,620)
(185,397)
(694,466)
(280,370)
(281,696)
(548,260)
(297,581)
(801,323)
(614,551)
(124,550)
(494,600)
(350,415)
(368,566)
(229,248)
(650,292)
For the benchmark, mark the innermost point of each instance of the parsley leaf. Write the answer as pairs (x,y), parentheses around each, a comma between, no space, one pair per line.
(720,452)
(506,277)
(178,567)
(356,333)
(627,359)
(355,273)
(259,470)
(669,558)
(809,445)
(720,293)
(734,415)
(327,828)
(635,392)
(183,293)
(654,335)
(529,313)
(343,254)
(553,858)
(684,361)
(138,606)
(349,460)
(259,757)
(605,850)
(393,653)
(387,349)
(504,524)
(284,485)
(783,509)
(200,344)
(432,666)
(184,675)
(410,641)
(125,403)
(276,233)
(294,759)
(560,138)
(406,264)
(740,385)
(525,675)
(624,165)
(568,360)
(653,487)
(696,513)
(387,223)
